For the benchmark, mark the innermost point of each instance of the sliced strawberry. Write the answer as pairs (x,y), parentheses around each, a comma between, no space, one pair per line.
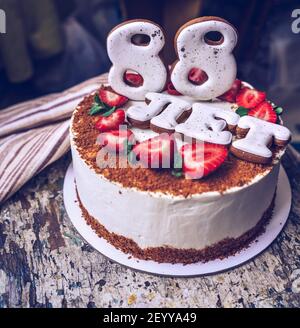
(200,159)
(171,90)
(134,79)
(250,98)
(197,76)
(264,111)
(116,141)
(111,122)
(157,152)
(231,94)
(111,98)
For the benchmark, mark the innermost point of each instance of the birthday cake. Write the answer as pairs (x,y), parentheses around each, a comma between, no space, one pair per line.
(176,165)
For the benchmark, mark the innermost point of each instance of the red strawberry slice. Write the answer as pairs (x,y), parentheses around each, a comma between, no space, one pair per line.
(231,94)
(111,98)
(250,98)
(157,152)
(134,79)
(264,111)
(171,90)
(197,76)
(116,141)
(112,122)
(200,159)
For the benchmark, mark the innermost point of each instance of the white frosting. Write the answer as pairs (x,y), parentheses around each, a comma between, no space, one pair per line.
(156,219)
(259,136)
(204,125)
(166,118)
(216,60)
(143,59)
(144,134)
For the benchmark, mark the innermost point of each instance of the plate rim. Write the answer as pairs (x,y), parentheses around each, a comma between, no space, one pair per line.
(261,243)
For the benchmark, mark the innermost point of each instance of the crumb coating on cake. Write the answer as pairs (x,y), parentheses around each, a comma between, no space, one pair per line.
(220,250)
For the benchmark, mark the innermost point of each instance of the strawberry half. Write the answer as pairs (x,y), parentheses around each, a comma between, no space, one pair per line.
(250,98)
(200,159)
(111,122)
(264,111)
(111,98)
(116,141)
(171,90)
(231,94)
(197,76)
(134,79)
(157,152)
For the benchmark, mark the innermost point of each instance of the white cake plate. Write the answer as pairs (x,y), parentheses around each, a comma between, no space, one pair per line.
(281,212)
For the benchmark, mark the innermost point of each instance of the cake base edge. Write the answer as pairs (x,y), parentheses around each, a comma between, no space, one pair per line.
(223,249)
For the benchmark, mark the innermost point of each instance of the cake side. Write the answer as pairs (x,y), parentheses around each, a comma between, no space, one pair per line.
(220,250)
(155,219)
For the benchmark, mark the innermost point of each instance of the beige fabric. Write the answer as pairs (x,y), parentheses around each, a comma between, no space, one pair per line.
(34,134)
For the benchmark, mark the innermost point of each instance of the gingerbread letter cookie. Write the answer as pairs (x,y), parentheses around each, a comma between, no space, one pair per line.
(143,59)
(207,123)
(215,58)
(162,113)
(257,135)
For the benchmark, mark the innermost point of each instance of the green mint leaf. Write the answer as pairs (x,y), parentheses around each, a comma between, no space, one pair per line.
(97,99)
(99,102)
(177,161)
(278,110)
(242,111)
(109,112)
(132,157)
(177,173)
(96,109)
(129,146)
(105,106)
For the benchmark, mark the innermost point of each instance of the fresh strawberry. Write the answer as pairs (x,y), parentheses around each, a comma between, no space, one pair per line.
(111,98)
(264,111)
(200,159)
(231,94)
(116,141)
(157,152)
(250,98)
(111,122)
(171,90)
(197,76)
(134,79)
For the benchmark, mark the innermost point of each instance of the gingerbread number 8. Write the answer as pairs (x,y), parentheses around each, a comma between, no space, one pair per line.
(215,58)
(143,59)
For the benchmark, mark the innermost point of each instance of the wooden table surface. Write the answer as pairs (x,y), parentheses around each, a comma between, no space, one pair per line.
(45,263)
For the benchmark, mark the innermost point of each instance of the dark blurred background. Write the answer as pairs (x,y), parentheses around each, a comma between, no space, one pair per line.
(51,45)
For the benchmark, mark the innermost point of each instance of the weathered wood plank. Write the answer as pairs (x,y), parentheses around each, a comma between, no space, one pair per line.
(45,263)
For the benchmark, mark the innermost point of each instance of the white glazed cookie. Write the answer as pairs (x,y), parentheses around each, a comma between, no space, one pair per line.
(257,136)
(215,58)
(143,59)
(162,114)
(208,123)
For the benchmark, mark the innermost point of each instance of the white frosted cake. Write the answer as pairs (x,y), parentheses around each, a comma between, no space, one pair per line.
(197,208)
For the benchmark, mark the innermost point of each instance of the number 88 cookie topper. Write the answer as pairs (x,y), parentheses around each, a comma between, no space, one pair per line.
(215,58)
(143,59)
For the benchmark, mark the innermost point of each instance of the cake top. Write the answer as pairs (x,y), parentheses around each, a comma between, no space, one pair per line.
(189,129)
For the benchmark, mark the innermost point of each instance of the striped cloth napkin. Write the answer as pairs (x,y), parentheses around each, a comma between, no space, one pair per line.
(35,133)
